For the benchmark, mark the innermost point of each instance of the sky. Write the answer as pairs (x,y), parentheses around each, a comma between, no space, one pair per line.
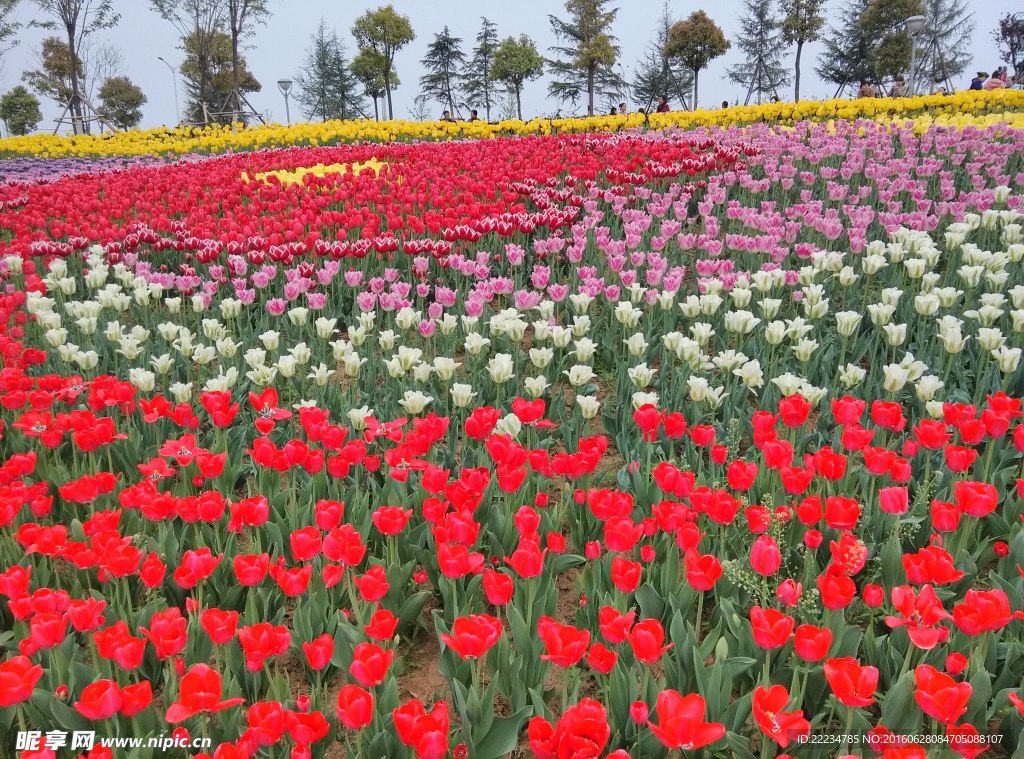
(277,49)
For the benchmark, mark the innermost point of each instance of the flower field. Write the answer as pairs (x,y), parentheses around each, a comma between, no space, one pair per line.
(613,444)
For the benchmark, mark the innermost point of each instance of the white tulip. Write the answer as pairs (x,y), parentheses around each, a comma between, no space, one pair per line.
(271,340)
(182,391)
(421,373)
(142,379)
(895,377)
(851,376)
(227,347)
(509,425)
(636,344)
(162,363)
(895,334)
(775,332)
(286,366)
(386,339)
(476,343)
(804,349)
(847,322)
(56,337)
(561,336)
(501,368)
(357,417)
(641,375)
(204,354)
(535,386)
(541,357)
(325,328)
(462,394)
(298,315)
(927,386)
(580,302)
(584,349)
(581,326)
(750,374)
(769,307)
(351,363)
(644,399)
(445,367)
(413,401)
(579,375)
(990,338)
(1008,359)
(627,314)
(340,349)
(589,406)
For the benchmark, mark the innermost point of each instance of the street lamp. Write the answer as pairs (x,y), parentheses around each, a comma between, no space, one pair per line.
(285,85)
(174,81)
(914,26)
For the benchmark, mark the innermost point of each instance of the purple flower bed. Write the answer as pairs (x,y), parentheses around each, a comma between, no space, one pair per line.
(32,170)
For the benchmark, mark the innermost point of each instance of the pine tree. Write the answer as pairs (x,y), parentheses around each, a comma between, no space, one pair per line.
(326,88)
(846,59)
(760,40)
(586,58)
(443,63)
(944,45)
(212,76)
(658,75)
(801,23)
(478,84)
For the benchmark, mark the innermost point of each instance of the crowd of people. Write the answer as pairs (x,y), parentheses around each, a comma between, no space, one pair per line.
(1000,79)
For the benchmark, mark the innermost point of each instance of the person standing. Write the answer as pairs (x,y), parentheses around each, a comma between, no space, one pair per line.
(899,88)
(978,83)
(866,90)
(663,104)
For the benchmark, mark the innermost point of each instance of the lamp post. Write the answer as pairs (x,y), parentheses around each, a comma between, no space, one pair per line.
(914,26)
(174,81)
(285,85)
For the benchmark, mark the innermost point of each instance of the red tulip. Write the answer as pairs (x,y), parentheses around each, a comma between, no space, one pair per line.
(771,627)
(473,636)
(939,696)
(564,644)
(18,678)
(355,707)
(681,722)
(852,683)
(199,691)
(100,700)
(370,664)
(768,706)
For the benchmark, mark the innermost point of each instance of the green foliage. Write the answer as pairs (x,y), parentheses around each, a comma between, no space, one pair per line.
(326,88)
(368,69)
(889,44)
(802,21)
(761,41)
(944,46)
(696,42)
(584,60)
(658,75)
(53,79)
(517,61)
(19,110)
(1009,37)
(478,82)
(443,64)
(121,102)
(383,32)
(845,60)
(8,26)
(209,79)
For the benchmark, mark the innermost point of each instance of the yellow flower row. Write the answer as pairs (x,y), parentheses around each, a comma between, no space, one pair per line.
(959,109)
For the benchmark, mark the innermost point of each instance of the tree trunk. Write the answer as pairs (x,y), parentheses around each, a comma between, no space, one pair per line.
(235,99)
(590,91)
(796,70)
(696,73)
(376,110)
(75,106)
(387,91)
(519,104)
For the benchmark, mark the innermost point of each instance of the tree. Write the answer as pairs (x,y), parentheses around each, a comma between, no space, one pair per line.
(19,110)
(213,77)
(478,83)
(383,32)
(53,79)
(242,17)
(801,23)
(516,61)
(586,57)
(368,69)
(198,21)
(443,63)
(326,87)
(8,26)
(696,42)
(78,20)
(1009,37)
(884,25)
(658,75)
(121,102)
(845,61)
(760,39)
(943,46)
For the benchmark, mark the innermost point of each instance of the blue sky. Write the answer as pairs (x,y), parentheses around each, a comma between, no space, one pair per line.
(277,48)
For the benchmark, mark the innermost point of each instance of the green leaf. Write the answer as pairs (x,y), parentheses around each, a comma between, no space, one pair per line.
(502,737)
